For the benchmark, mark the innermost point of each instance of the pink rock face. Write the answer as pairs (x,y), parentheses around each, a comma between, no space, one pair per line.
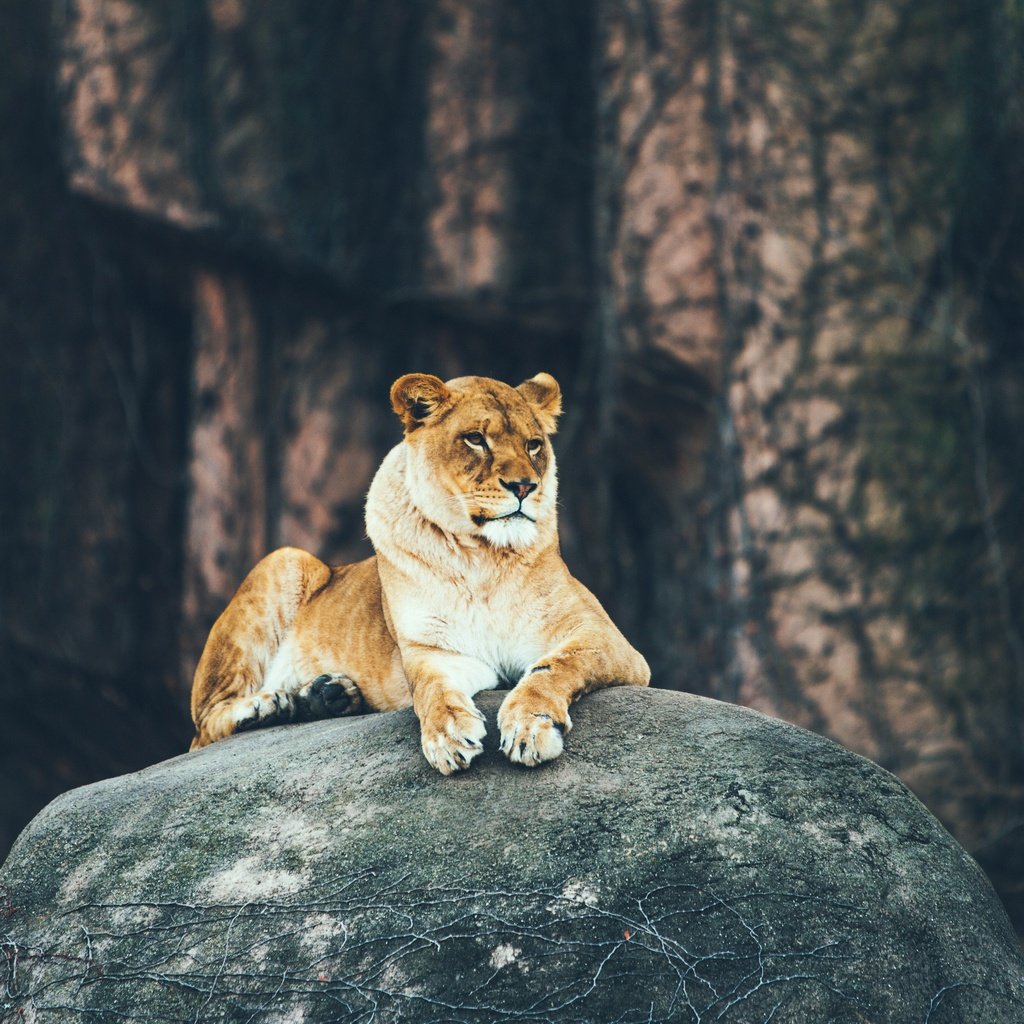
(658,171)
(223,119)
(122,95)
(472,121)
(331,439)
(774,235)
(226,528)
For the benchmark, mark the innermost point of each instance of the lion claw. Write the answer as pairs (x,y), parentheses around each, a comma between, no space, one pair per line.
(531,737)
(452,748)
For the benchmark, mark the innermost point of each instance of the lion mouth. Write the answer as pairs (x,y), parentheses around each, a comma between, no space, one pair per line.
(518,514)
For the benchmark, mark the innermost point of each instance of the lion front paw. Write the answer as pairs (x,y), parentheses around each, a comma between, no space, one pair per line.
(451,735)
(531,729)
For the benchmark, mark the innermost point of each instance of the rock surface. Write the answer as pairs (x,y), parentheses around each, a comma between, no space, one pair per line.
(684,860)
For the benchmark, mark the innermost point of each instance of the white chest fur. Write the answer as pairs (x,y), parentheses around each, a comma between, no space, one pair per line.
(494,625)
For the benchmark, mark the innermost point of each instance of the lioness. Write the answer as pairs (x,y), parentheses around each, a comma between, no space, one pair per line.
(468,590)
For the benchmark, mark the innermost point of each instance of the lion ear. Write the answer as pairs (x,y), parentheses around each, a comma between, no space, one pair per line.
(545,398)
(417,396)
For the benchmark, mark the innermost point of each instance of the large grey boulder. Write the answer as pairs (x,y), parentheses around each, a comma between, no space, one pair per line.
(684,860)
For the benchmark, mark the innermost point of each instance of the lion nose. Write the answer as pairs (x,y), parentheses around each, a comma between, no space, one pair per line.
(520,488)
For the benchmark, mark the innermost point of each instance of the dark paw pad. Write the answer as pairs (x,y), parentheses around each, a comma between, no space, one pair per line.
(336,698)
(327,698)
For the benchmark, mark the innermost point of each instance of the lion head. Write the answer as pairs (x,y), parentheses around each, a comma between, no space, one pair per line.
(480,460)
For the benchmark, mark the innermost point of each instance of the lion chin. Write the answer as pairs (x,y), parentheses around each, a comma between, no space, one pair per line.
(467,580)
(516,533)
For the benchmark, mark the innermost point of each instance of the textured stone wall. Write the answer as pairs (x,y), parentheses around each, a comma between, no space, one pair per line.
(782,196)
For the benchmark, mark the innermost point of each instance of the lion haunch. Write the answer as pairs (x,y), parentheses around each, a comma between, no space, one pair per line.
(467,589)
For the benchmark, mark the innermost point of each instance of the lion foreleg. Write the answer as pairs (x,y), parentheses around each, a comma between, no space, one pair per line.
(443,684)
(534,717)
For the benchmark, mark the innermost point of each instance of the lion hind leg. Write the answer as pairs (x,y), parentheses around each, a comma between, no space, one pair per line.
(331,695)
(245,677)
(328,696)
(239,714)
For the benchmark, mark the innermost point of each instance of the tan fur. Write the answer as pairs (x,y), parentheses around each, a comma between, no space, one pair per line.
(467,591)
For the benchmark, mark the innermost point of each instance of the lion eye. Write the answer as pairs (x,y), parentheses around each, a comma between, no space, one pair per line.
(475,440)
(534,445)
